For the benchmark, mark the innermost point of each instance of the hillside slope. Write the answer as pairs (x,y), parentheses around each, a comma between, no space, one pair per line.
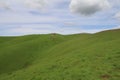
(60,57)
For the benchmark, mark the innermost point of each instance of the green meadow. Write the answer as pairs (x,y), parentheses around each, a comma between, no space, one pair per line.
(61,57)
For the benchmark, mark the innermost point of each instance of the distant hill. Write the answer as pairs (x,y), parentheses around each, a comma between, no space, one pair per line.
(61,57)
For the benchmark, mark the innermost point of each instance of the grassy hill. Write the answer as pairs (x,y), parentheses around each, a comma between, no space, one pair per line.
(61,57)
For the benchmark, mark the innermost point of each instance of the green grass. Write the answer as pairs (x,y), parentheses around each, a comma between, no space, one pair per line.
(61,57)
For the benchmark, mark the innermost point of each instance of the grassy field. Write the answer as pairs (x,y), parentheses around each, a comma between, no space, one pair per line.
(61,57)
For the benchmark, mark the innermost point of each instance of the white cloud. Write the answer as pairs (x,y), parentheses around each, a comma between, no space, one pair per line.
(12,17)
(58,19)
(36,4)
(118,27)
(88,7)
(30,4)
(4,5)
(115,3)
(27,30)
(70,24)
(30,29)
(117,15)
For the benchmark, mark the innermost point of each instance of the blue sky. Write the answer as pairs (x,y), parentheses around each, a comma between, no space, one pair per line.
(23,17)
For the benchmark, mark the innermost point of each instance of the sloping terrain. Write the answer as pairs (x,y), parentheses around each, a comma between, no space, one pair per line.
(61,57)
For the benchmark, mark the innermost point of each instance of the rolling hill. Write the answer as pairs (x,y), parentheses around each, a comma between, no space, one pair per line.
(61,57)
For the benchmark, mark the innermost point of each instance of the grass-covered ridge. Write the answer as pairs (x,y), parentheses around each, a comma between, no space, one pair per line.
(61,57)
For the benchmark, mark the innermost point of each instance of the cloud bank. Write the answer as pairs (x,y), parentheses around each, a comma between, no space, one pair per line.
(88,7)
